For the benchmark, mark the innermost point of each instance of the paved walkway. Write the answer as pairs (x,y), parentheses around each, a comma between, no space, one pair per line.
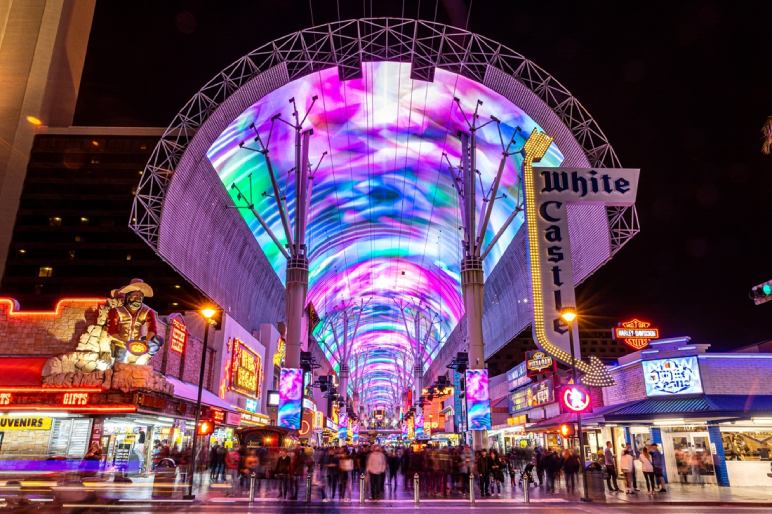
(144,488)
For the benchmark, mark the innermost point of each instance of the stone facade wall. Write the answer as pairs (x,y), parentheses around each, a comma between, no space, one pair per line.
(25,442)
(56,332)
(50,333)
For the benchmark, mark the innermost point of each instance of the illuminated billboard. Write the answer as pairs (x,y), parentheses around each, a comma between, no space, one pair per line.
(383,220)
(478,403)
(290,398)
(673,376)
(246,370)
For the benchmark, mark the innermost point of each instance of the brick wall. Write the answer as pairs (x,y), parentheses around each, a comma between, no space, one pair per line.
(628,385)
(734,375)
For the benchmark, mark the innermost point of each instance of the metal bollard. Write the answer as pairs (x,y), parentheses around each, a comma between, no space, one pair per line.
(308,488)
(362,488)
(416,489)
(526,490)
(471,487)
(252,478)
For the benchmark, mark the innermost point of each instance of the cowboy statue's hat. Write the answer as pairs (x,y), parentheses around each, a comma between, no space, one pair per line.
(136,284)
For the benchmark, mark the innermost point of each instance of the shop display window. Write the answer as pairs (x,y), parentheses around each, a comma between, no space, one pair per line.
(747,445)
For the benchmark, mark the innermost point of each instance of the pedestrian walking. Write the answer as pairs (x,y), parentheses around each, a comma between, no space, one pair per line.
(626,464)
(648,471)
(611,468)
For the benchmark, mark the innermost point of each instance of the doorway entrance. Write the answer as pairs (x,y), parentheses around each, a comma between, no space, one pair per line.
(688,456)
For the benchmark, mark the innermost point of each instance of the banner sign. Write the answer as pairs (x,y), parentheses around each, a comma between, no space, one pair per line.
(179,336)
(478,403)
(10,424)
(674,376)
(343,425)
(290,398)
(547,193)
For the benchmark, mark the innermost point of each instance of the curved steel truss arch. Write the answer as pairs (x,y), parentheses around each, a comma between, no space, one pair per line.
(346,44)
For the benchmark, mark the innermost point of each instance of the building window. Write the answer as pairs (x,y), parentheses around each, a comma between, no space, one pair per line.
(45,271)
(55,221)
(128,256)
(84,220)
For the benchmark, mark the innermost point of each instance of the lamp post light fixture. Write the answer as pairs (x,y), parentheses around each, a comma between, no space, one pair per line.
(569,315)
(208,313)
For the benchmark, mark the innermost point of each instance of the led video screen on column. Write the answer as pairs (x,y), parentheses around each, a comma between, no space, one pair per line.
(343,425)
(478,403)
(290,398)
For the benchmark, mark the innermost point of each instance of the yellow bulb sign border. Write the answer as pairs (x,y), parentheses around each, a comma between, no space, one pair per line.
(618,187)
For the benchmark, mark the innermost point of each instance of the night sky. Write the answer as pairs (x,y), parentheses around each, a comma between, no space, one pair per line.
(681,90)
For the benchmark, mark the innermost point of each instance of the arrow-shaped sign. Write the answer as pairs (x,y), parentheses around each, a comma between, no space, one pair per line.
(547,192)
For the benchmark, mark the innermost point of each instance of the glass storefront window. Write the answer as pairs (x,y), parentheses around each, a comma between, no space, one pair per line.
(747,445)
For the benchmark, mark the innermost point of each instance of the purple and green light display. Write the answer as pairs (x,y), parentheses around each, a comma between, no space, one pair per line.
(343,425)
(290,398)
(478,402)
(384,218)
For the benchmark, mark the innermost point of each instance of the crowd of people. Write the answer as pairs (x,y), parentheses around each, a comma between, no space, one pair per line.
(651,463)
(441,472)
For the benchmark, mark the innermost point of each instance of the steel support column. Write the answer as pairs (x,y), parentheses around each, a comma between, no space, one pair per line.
(297,288)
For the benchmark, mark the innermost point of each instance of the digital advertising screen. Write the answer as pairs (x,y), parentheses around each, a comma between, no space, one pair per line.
(478,403)
(290,398)
(343,425)
(673,376)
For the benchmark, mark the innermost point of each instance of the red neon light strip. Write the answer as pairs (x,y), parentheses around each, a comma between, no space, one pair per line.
(59,305)
(38,389)
(87,408)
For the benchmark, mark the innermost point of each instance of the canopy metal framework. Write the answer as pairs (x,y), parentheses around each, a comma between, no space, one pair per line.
(424,44)
(348,45)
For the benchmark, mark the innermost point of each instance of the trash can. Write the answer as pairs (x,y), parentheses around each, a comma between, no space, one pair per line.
(164,479)
(596,488)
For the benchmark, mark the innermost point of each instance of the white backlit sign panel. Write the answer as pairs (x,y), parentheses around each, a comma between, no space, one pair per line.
(671,377)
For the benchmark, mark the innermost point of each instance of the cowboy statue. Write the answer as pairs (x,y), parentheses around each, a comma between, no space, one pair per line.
(132,325)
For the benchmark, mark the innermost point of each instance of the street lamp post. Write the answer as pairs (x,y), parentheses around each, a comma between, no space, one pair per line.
(569,315)
(208,314)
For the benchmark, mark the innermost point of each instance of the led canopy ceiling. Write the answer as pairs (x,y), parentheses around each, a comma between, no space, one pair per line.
(384,222)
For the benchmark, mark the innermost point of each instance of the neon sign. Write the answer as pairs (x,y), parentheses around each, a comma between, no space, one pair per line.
(179,336)
(75,399)
(636,333)
(245,369)
(547,192)
(538,361)
(575,398)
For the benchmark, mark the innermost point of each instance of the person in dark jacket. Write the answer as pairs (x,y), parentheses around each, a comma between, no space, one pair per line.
(571,466)
(484,472)
(540,454)
(552,465)
(282,472)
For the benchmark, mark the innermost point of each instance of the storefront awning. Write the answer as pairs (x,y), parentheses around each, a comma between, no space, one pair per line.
(189,392)
(705,406)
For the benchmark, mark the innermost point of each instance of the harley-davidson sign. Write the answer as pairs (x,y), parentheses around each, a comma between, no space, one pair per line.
(636,333)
